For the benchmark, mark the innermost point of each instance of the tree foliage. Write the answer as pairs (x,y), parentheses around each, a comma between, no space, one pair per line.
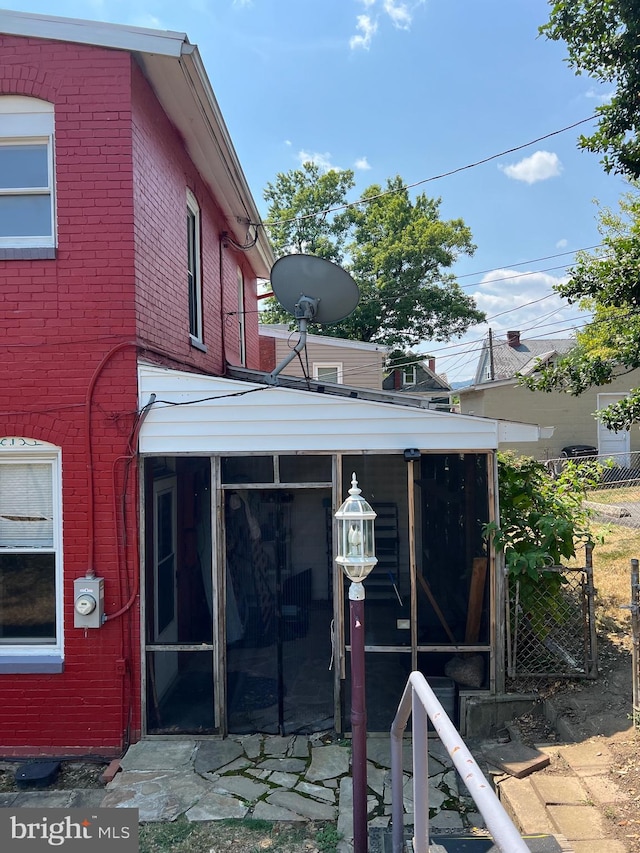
(603,38)
(607,283)
(398,251)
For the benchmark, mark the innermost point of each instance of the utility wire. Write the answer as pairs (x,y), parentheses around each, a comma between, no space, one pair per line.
(448,174)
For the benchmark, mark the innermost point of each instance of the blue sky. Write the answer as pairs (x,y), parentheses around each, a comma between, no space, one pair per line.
(414,88)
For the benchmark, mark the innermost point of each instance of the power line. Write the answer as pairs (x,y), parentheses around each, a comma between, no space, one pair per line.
(532,261)
(448,174)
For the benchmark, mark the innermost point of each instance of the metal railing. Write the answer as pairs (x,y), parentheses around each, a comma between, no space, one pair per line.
(419,701)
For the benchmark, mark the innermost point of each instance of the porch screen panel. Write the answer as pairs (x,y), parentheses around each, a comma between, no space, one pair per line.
(452,566)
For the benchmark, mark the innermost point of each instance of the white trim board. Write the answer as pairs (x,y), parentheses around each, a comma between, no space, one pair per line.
(223,416)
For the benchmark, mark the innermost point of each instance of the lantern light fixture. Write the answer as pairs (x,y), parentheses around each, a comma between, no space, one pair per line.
(356,542)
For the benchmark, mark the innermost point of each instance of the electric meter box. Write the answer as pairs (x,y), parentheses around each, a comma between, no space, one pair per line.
(88,602)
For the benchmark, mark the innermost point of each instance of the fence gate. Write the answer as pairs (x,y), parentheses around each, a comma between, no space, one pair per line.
(555,635)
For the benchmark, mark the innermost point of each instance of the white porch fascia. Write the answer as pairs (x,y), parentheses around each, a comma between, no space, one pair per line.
(199,414)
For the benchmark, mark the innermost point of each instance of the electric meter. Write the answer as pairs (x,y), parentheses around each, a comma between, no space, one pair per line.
(85,604)
(88,602)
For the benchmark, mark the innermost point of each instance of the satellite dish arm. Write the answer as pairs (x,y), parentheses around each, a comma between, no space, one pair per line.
(271,378)
(305,310)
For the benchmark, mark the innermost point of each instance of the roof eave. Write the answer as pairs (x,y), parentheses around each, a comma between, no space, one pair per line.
(177,75)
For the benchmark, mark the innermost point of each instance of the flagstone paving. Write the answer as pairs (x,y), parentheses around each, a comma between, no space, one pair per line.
(278,779)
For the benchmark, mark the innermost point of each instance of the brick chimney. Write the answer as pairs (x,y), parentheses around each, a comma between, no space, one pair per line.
(432,364)
(267,353)
(513,339)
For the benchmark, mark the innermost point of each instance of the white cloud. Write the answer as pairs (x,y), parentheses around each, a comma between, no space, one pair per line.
(368,3)
(399,14)
(362,164)
(321,160)
(288,143)
(562,244)
(149,21)
(538,167)
(603,97)
(368,28)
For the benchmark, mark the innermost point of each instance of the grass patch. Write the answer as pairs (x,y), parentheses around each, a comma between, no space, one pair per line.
(611,573)
(614,496)
(236,836)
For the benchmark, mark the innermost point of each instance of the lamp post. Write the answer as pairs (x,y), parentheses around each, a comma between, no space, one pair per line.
(356,556)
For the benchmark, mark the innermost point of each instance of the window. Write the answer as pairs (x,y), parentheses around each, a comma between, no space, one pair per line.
(242,341)
(193,269)
(30,557)
(27,214)
(409,374)
(328,371)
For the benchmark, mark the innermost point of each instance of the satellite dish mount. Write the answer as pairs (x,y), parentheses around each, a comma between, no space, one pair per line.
(335,296)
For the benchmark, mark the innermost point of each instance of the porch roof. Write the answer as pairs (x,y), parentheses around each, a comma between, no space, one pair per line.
(195,413)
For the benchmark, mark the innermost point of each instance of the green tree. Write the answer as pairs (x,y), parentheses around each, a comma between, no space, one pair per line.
(607,283)
(398,251)
(296,198)
(542,520)
(602,38)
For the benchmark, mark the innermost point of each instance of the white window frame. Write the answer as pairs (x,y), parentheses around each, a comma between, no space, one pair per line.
(194,269)
(414,374)
(242,332)
(29,121)
(34,656)
(331,365)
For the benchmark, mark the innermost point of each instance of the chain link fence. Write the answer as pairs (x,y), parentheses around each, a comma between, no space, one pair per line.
(553,634)
(616,498)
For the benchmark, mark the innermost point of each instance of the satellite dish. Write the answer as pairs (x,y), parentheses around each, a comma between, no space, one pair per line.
(305,283)
(312,289)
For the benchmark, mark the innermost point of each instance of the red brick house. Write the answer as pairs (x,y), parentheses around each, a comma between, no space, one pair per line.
(166,514)
(122,207)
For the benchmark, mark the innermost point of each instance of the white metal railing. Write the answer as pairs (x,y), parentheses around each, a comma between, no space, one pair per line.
(419,701)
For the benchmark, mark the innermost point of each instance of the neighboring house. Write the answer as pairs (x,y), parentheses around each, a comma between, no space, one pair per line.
(420,377)
(166,514)
(502,359)
(325,359)
(572,418)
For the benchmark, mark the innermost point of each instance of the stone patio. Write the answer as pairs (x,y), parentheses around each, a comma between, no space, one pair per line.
(294,778)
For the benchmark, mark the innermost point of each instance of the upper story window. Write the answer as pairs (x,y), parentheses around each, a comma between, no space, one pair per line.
(409,374)
(242,339)
(194,274)
(30,556)
(328,372)
(27,199)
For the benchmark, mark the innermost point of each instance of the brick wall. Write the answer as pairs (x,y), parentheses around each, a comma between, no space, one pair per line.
(59,320)
(67,332)
(162,174)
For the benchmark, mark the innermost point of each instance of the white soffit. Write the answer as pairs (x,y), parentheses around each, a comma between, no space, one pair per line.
(220,415)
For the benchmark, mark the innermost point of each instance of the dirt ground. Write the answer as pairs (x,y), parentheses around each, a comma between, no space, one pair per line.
(601,709)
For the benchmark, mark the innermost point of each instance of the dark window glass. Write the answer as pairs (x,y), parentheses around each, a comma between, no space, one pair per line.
(247,469)
(27,598)
(305,469)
